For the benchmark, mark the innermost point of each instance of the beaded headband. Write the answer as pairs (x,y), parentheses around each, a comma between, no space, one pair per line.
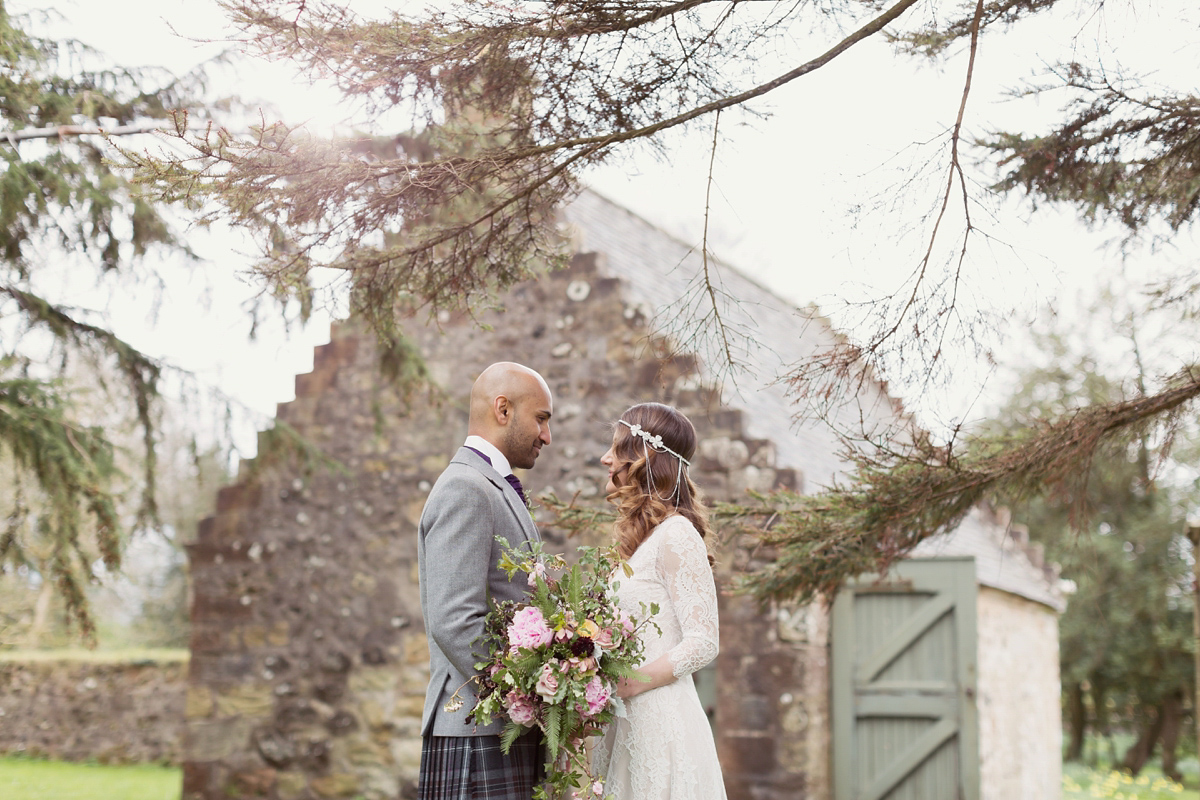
(650,440)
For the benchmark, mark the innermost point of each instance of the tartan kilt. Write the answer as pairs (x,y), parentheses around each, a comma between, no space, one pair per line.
(475,768)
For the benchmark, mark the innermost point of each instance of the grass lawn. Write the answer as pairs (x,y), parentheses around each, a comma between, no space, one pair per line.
(1080,782)
(1087,783)
(30,779)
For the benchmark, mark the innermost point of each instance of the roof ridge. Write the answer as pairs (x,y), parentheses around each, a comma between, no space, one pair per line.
(679,240)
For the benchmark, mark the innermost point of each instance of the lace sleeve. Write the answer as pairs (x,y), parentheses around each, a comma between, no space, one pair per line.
(683,562)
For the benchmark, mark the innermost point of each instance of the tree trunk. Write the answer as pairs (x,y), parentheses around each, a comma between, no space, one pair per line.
(41,614)
(1142,750)
(1076,722)
(1099,693)
(1172,717)
(1193,534)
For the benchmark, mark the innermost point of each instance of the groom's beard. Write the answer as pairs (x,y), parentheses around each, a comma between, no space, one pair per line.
(522,450)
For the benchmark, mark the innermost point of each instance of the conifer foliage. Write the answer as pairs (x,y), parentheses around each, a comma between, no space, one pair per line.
(507,103)
(67,216)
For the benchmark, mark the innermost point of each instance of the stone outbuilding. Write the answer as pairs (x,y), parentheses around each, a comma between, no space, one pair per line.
(309,661)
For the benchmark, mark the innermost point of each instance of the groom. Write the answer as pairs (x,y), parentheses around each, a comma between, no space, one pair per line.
(475,500)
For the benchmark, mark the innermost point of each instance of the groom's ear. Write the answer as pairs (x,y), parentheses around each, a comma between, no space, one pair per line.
(502,409)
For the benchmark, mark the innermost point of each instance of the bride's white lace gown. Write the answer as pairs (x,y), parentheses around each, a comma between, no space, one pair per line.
(663,748)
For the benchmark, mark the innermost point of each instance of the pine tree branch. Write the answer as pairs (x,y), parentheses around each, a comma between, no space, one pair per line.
(491,205)
(862,33)
(141,374)
(73,466)
(893,503)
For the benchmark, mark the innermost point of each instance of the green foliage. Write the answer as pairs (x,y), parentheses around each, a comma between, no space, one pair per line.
(933,38)
(72,467)
(553,728)
(512,732)
(67,189)
(1123,153)
(1126,637)
(64,204)
(281,445)
(577,521)
(554,661)
(894,500)
(512,103)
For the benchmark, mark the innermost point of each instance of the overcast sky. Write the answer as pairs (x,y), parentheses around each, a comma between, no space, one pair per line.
(794,195)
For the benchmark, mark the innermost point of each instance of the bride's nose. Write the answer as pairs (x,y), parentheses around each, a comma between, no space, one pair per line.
(607,458)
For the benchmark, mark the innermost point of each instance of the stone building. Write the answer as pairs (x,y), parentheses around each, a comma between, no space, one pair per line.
(308,663)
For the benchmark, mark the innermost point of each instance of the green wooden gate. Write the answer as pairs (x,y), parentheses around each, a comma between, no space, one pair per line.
(903,685)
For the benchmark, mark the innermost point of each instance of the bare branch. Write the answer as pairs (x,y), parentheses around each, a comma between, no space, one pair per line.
(68,131)
(708,282)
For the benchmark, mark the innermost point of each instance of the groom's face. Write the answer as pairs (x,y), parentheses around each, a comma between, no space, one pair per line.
(529,428)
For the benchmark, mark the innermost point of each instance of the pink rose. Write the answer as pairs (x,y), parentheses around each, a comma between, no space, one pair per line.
(529,629)
(521,709)
(584,664)
(547,685)
(597,695)
(604,638)
(539,571)
(626,622)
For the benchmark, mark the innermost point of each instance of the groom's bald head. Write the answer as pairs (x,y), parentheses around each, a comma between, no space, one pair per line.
(511,408)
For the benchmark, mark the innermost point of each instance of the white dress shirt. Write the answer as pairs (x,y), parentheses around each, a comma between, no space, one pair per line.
(499,462)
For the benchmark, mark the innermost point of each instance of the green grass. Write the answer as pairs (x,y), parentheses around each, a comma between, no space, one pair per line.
(1084,783)
(30,779)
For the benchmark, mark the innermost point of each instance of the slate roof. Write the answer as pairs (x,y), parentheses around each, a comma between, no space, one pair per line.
(656,267)
(1003,560)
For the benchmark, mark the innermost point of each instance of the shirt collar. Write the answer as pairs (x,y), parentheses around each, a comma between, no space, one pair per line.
(499,462)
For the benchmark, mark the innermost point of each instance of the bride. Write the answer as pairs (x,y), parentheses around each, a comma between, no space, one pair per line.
(662,748)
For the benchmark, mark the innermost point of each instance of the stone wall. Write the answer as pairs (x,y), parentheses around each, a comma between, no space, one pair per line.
(308,655)
(113,713)
(1020,711)
(773,729)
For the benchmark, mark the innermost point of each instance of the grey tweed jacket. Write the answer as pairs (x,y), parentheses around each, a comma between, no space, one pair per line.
(457,556)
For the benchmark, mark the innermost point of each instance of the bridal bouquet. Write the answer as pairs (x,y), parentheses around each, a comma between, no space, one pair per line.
(555,660)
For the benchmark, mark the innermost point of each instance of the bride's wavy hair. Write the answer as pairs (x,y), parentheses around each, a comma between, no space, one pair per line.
(641,467)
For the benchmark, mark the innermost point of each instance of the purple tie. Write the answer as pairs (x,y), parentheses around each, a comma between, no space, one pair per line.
(513,480)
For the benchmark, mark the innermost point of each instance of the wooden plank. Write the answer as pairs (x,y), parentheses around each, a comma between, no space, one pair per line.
(902,767)
(966,618)
(841,670)
(922,706)
(937,607)
(914,687)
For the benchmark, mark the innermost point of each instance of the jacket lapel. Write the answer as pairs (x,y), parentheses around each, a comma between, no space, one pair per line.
(524,519)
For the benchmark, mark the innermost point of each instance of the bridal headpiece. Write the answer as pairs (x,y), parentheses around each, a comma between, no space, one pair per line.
(651,441)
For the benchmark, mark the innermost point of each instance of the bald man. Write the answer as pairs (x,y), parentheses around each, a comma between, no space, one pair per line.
(475,500)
